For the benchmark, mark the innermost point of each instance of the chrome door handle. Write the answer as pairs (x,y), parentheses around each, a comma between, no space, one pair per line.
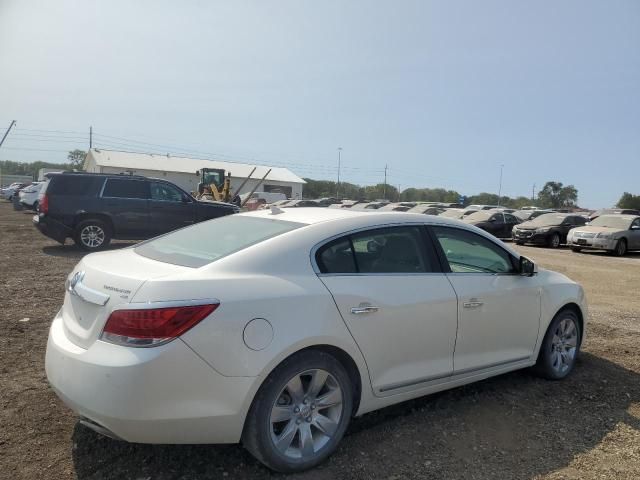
(364,309)
(473,303)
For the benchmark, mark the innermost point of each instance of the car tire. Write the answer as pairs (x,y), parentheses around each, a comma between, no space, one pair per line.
(285,433)
(560,347)
(576,249)
(554,240)
(92,235)
(621,248)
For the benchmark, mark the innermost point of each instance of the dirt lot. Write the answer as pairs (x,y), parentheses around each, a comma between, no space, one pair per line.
(511,427)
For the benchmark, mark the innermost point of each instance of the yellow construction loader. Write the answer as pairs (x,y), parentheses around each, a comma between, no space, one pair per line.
(215,186)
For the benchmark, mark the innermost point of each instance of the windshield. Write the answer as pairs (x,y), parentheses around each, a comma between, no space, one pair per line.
(206,242)
(612,221)
(481,216)
(451,213)
(548,219)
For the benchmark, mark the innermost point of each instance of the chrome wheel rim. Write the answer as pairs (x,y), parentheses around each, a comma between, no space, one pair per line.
(555,241)
(564,345)
(92,236)
(306,414)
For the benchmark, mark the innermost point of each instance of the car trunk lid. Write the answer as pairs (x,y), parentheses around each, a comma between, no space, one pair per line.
(102,282)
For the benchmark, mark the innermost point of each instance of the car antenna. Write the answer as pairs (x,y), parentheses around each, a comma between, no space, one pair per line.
(275,210)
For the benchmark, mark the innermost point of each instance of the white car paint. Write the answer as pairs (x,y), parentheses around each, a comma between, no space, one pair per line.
(29,195)
(199,387)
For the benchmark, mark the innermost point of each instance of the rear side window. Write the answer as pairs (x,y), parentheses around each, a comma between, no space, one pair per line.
(206,242)
(117,188)
(383,250)
(74,185)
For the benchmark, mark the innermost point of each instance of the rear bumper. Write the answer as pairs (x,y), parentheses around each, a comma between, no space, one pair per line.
(163,394)
(52,228)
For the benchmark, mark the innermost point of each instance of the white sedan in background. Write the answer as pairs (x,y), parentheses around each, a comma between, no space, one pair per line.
(615,233)
(274,328)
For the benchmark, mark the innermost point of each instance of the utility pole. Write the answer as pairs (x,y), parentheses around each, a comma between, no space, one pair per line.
(90,138)
(13,122)
(500,186)
(338,184)
(533,193)
(384,188)
(398,192)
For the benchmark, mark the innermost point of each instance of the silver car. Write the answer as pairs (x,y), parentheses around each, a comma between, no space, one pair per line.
(614,233)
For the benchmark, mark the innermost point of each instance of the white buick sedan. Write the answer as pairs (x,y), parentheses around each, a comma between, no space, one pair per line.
(274,328)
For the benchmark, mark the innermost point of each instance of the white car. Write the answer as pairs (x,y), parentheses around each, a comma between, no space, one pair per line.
(29,195)
(615,233)
(275,327)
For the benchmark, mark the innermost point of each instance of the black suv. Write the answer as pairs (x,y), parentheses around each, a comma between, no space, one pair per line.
(93,208)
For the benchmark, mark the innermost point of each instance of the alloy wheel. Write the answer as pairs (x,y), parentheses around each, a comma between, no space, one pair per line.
(564,345)
(92,236)
(306,414)
(555,240)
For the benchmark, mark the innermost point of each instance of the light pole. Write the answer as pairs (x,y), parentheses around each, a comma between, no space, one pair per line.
(500,186)
(338,183)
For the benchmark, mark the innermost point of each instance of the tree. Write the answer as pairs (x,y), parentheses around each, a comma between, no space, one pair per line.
(628,200)
(556,195)
(76,159)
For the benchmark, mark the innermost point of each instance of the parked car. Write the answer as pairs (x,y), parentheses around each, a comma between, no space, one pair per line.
(29,195)
(550,229)
(426,209)
(397,207)
(12,189)
(498,224)
(93,208)
(275,328)
(328,201)
(300,204)
(616,233)
(456,213)
(613,211)
(482,207)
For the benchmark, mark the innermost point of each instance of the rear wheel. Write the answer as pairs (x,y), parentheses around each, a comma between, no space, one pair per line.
(560,346)
(300,413)
(621,248)
(92,235)
(554,241)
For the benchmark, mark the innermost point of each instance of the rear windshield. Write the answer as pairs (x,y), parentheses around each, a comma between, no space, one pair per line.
(206,242)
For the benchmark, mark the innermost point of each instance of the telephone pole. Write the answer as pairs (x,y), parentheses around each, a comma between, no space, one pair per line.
(338,183)
(500,186)
(90,138)
(533,193)
(13,122)
(384,188)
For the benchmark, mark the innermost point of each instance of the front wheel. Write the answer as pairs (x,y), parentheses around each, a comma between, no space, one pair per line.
(554,241)
(621,248)
(560,346)
(300,413)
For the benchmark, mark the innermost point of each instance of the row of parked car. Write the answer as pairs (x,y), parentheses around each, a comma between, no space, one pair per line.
(615,230)
(92,209)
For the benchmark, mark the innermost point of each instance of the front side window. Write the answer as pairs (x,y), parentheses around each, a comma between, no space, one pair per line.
(468,252)
(117,188)
(165,192)
(382,250)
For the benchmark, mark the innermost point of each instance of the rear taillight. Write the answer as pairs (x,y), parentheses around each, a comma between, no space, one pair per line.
(43,204)
(153,326)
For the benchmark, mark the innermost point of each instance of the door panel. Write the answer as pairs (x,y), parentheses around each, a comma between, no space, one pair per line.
(168,210)
(411,337)
(499,319)
(127,202)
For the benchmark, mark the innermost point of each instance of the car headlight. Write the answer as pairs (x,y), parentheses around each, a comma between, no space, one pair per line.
(604,235)
(543,230)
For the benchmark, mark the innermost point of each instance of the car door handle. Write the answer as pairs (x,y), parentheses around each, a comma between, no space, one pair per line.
(473,303)
(364,309)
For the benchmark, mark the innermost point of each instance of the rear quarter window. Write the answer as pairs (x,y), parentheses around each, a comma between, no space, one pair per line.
(74,185)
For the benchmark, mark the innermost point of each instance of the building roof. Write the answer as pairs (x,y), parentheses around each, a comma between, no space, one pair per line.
(169,163)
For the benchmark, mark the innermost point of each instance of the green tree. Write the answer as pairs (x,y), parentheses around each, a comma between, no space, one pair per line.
(76,159)
(556,195)
(628,200)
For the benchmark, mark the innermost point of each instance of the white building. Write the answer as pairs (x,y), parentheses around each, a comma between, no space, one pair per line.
(183,171)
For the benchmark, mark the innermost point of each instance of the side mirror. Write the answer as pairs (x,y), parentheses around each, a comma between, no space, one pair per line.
(527,267)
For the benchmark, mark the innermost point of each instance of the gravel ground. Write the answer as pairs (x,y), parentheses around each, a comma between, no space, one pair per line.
(514,426)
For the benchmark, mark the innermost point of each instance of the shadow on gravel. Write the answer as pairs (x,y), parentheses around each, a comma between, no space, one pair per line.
(514,426)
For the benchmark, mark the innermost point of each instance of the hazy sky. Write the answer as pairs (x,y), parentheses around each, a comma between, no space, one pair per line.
(443,92)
